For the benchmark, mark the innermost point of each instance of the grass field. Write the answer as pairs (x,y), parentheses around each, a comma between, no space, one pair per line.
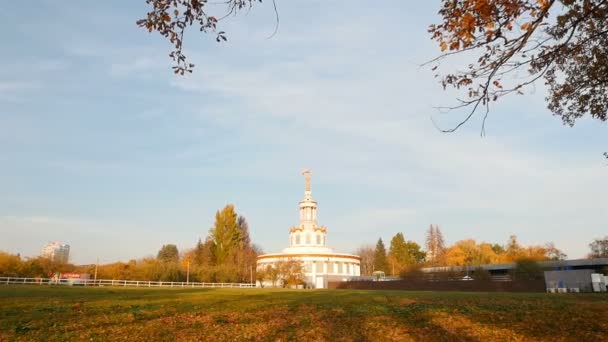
(100,314)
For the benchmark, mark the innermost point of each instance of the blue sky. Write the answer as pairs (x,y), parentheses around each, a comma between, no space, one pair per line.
(102,147)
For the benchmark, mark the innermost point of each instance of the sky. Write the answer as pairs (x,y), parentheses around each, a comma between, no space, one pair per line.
(103,148)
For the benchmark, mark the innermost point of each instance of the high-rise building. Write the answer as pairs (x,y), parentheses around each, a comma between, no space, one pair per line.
(56,251)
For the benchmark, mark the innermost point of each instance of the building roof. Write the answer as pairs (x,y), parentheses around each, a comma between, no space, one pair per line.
(545,264)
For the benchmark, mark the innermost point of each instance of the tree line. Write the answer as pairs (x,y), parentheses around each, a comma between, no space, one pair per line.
(403,256)
(227,254)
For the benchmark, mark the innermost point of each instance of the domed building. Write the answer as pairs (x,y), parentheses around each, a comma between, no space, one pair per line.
(307,243)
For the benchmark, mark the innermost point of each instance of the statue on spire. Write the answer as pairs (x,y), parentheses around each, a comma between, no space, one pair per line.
(307,173)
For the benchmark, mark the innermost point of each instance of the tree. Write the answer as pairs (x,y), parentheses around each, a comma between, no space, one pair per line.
(244,227)
(403,254)
(527,269)
(168,253)
(226,235)
(366,253)
(553,253)
(513,250)
(599,248)
(469,253)
(10,265)
(272,273)
(513,43)
(260,276)
(203,253)
(290,272)
(415,254)
(380,261)
(397,254)
(171,18)
(498,249)
(435,246)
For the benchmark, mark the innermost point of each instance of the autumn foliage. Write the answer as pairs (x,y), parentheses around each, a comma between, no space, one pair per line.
(510,44)
(171,18)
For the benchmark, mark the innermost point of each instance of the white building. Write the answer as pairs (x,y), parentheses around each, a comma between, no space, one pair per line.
(56,251)
(307,243)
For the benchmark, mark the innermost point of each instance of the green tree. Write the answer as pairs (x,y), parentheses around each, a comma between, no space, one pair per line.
(397,255)
(225,235)
(403,254)
(244,227)
(168,253)
(498,249)
(380,259)
(415,254)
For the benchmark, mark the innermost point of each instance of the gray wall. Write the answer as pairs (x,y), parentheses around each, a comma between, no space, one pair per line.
(569,279)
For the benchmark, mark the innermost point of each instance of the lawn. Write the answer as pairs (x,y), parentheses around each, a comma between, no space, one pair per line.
(105,314)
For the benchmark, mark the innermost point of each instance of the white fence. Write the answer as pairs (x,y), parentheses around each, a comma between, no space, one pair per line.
(113,282)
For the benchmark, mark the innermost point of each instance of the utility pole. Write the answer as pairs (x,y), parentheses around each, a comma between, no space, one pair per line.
(188,272)
(96,264)
(251,274)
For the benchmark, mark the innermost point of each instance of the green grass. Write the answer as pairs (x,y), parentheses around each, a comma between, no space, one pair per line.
(106,314)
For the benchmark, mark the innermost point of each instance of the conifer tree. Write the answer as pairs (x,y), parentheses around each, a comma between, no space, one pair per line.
(244,227)
(168,253)
(380,261)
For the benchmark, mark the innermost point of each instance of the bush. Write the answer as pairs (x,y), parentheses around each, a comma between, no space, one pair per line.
(482,274)
(527,269)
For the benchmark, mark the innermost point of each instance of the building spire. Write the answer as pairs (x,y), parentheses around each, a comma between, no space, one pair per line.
(307,192)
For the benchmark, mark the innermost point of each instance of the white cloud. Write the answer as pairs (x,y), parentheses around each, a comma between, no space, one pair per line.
(368,123)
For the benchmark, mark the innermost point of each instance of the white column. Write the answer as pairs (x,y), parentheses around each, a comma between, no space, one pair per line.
(325,267)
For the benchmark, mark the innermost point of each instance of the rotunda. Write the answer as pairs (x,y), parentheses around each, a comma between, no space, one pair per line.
(307,243)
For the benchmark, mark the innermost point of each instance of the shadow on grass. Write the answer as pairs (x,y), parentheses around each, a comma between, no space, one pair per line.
(270,314)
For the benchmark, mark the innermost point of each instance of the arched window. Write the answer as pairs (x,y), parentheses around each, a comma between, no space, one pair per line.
(308,239)
(297,239)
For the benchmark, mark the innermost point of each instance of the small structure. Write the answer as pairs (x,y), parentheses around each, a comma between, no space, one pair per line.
(568,281)
(307,244)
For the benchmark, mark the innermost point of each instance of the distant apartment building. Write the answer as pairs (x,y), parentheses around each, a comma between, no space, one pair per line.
(57,252)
